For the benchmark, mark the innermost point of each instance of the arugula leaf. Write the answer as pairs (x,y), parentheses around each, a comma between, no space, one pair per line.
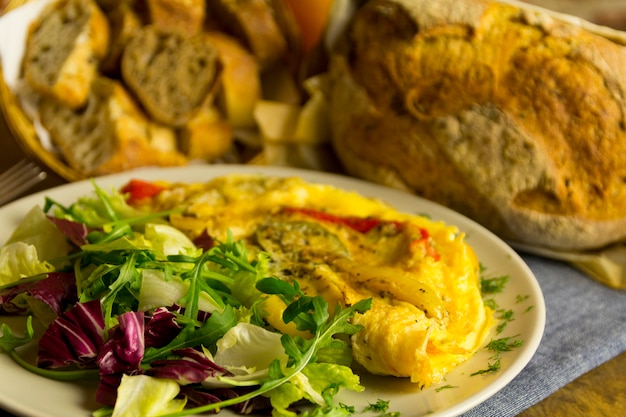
(127,273)
(298,305)
(9,341)
(277,286)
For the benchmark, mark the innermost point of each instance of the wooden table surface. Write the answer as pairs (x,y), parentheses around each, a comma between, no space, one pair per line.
(600,392)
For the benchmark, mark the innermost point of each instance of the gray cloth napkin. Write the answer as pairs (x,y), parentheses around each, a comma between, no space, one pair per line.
(585,327)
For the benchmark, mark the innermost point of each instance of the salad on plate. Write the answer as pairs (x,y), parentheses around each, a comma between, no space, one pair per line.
(132,301)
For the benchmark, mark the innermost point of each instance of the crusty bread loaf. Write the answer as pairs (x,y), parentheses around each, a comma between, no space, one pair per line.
(507,115)
(171,75)
(109,134)
(63,48)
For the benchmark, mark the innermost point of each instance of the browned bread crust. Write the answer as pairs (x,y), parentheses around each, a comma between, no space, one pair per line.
(507,115)
(184,16)
(124,21)
(254,23)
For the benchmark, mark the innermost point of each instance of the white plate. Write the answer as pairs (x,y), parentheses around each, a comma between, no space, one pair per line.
(26,394)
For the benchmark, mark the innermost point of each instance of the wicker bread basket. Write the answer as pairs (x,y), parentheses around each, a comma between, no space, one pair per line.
(22,128)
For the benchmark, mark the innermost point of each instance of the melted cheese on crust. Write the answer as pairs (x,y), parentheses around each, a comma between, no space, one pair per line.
(427,315)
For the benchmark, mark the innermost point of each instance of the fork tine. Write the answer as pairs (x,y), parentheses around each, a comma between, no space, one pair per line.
(19,178)
(13,173)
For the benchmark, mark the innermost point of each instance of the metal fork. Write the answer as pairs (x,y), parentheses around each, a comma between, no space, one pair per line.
(19,178)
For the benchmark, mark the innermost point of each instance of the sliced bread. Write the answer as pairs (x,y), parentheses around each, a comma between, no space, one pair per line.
(63,50)
(124,21)
(171,75)
(109,134)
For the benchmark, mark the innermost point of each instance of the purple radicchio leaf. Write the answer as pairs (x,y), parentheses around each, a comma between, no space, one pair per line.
(198,397)
(161,328)
(73,338)
(203,316)
(204,241)
(121,354)
(57,290)
(76,232)
(192,367)
(107,389)
(253,405)
(123,351)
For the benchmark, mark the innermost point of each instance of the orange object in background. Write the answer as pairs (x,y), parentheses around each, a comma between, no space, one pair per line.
(311,16)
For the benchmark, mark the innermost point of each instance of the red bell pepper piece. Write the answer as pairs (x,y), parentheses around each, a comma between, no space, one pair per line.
(138,190)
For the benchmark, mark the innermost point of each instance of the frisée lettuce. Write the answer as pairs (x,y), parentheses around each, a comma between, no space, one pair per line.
(142,308)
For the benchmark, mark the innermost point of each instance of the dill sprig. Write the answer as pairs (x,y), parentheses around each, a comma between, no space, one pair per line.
(493,285)
(491,367)
(504,344)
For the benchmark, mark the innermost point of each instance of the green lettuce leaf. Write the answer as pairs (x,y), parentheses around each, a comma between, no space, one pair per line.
(158,291)
(35,229)
(168,240)
(316,380)
(99,209)
(247,351)
(142,395)
(19,260)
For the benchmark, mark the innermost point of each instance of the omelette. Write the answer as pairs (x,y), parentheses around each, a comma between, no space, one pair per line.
(427,314)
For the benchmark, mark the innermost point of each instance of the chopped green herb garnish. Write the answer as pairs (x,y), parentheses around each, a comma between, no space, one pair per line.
(349,408)
(493,285)
(492,304)
(504,344)
(380,406)
(506,316)
(439,389)
(491,367)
